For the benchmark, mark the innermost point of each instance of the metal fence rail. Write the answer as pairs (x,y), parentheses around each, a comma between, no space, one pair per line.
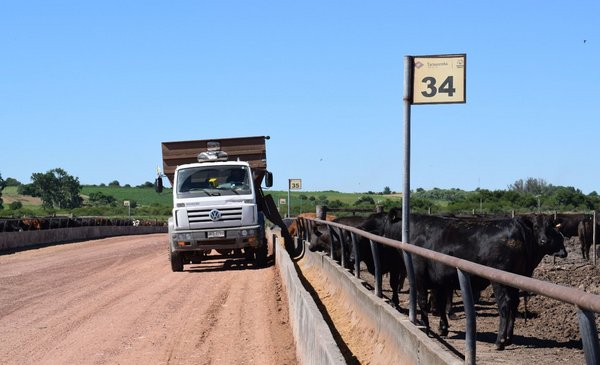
(587,304)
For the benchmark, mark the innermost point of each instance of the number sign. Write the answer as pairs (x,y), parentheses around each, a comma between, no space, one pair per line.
(295,184)
(439,79)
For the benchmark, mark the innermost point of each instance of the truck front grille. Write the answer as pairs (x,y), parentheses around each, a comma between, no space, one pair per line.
(228,215)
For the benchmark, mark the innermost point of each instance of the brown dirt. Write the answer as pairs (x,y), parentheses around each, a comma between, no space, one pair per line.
(549,336)
(116,301)
(25,199)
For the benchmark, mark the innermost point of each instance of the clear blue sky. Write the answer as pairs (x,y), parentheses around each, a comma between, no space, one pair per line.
(94,87)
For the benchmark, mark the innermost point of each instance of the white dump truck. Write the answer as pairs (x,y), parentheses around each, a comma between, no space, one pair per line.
(218,202)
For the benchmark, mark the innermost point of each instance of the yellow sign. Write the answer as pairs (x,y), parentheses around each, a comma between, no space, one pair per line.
(439,79)
(295,184)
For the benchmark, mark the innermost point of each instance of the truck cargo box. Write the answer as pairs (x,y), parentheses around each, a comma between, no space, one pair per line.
(250,149)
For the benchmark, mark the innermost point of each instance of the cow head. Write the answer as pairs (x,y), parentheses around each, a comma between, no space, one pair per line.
(547,236)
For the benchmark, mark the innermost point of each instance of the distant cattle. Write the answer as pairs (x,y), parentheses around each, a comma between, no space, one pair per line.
(515,245)
(10,225)
(568,224)
(293,227)
(585,232)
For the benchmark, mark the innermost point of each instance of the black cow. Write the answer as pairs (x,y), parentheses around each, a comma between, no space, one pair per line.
(515,245)
(585,234)
(390,259)
(320,240)
(568,224)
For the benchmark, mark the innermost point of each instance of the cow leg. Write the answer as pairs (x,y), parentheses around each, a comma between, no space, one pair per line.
(513,304)
(441,298)
(587,251)
(424,308)
(502,301)
(449,307)
(394,282)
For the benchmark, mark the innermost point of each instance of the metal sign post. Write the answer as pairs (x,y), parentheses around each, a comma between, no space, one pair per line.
(293,184)
(434,79)
(127,203)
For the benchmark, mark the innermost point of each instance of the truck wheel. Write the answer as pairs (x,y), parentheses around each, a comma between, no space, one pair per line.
(261,256)
(176,261)
(249,253)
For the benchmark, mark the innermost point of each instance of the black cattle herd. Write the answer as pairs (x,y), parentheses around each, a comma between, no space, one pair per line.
(513,244)
(43,223)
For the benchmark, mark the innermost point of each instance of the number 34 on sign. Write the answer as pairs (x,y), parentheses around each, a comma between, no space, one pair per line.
(439,79)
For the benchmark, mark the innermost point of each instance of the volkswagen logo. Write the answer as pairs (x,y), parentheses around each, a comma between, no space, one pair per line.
(215,215)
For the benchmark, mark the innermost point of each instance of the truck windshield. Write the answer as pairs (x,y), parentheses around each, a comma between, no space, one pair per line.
(213,181)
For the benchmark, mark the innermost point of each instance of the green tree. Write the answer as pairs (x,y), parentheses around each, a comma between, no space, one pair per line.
(99,198)
(365,200)
(147,184)
(387,190)
(57,189)
(114,183)
(16,205)
(12,182)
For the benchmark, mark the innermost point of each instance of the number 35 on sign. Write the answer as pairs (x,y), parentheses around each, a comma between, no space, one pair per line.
(439,79)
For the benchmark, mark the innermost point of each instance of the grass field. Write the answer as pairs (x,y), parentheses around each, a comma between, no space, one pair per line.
(148,197)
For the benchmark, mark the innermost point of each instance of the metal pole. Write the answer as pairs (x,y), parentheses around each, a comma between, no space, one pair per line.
(330,232)
(470,325)
(342,242)
(378,276)
(594,236)
(408,66)
(589,336)
(289,202)
(356,256)
(412,294)
(408,63)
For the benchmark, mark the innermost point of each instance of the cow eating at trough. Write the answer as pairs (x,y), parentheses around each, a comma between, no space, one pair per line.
(515,245)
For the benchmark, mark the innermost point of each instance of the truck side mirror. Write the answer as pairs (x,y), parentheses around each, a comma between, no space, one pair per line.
(268,179)
(158,185)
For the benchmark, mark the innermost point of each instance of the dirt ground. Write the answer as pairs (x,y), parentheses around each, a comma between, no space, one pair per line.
(116,301)
(550,335)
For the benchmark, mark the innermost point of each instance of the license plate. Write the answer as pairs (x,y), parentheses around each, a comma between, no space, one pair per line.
(215,234)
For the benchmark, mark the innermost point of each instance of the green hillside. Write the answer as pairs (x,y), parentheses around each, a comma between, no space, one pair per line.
(145,201)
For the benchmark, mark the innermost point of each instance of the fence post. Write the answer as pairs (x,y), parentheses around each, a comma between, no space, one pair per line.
(342,242)
(412,294)
(594,236)
(330,232)
(356,252)
(375,253)
(589,336)
(470,322)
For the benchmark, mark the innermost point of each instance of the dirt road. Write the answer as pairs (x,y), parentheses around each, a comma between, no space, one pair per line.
(116,301)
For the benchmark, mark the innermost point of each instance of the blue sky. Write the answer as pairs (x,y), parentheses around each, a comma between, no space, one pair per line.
(94,87)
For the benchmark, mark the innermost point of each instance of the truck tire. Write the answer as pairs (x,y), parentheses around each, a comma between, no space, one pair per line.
(261,255)
(176,261)
(249,253)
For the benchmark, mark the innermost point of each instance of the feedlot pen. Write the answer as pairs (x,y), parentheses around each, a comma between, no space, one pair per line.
(548,335)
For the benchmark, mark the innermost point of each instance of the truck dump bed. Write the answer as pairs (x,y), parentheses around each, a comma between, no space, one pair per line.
(250,149)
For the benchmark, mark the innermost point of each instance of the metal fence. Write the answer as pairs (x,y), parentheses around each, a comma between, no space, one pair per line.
(587,304)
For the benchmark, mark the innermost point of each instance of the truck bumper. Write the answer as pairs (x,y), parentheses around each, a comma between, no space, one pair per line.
(205,240)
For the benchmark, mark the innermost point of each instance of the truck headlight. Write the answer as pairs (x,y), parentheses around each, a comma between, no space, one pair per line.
(184,237)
